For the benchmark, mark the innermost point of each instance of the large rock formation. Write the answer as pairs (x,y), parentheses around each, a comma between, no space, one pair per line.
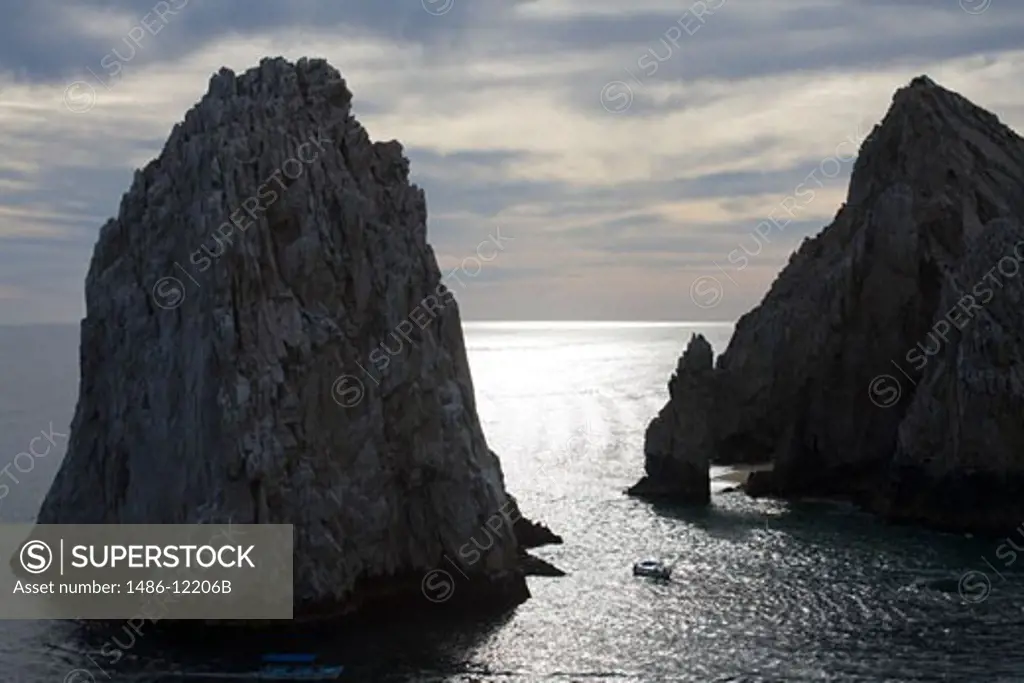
(678,445)
(886,363)
(237,390)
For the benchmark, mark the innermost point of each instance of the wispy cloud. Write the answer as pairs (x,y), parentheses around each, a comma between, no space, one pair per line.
(499,106)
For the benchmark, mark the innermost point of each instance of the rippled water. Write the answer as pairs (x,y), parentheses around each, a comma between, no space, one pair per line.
(763,591)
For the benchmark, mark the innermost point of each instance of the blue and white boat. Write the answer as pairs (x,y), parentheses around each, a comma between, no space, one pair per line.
(280,667)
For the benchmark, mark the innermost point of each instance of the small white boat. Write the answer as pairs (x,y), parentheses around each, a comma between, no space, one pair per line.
(652,568)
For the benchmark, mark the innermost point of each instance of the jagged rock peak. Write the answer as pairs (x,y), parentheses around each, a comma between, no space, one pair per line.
(698,355)
(275,80)
(923,81)
(240,361)
(924,97)
(927,131)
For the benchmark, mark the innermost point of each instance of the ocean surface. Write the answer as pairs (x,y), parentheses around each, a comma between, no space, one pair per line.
(762,590)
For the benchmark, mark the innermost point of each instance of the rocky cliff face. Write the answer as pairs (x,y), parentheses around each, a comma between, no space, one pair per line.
(254,270)
(886,362)
(678,445)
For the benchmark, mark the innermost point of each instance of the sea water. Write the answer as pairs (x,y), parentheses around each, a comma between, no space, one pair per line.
(762,590)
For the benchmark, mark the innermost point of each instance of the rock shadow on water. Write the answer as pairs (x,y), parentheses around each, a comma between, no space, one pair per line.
(738,517)
(723,522)
(370,646)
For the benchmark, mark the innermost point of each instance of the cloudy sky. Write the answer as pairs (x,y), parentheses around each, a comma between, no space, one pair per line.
(626,148)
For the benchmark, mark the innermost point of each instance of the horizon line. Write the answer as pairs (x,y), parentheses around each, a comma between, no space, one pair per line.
(493,321)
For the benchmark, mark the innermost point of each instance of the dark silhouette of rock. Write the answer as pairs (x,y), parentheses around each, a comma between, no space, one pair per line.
(530,534)
(886,362)
(758,484)
(679,443)
(236,392)
(535,566)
